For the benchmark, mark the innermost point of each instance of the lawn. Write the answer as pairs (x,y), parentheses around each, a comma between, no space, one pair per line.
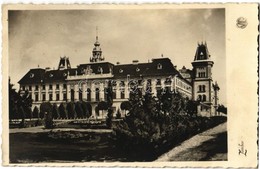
(40,147)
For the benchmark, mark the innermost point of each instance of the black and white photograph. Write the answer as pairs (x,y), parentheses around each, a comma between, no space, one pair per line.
(118,85)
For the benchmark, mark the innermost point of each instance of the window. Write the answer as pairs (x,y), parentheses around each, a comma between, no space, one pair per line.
(22,87)
(64,96)
(72,94)
(30,88)
(50,97)
(88,94)
(204,98)
(43,97)
(30,96)
(122,94)
(168,81)
(80,95)
(149,86)
(50,87)
(159,92)
(36,97)
(64,86)
(199,98)
(158,82)
(36,87)
(57,96)
(43,87)
(159,66)
(97,94)
(57,86)
(114,93)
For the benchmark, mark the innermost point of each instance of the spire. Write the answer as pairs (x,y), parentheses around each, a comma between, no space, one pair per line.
(96,33)
(97,52)
(202,52)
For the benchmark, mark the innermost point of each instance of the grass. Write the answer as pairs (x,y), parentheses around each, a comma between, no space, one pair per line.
(38,147)
(81,146)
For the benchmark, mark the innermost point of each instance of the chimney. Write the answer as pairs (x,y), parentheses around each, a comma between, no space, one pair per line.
(47,69)
(135,62)
(117,63)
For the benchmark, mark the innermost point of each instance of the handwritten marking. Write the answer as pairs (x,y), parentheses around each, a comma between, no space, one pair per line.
(241,149)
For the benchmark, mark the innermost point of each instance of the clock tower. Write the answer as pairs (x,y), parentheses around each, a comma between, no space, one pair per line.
(202,80)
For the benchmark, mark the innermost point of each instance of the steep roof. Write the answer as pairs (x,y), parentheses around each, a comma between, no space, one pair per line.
(96,67)
(33,76)
(202,52)
(160,66)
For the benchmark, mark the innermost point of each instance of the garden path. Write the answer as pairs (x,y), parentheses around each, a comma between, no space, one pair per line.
(209,145)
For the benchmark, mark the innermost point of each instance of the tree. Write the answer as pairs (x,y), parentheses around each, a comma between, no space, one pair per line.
(222,108)
(63,111)
(55,111)
(71,110)
(102,106)
(26,102)
(45,107)
(191,107)
(36,112)
(87,109)
(109,103)
(118,114)
(13,99)
(79,110)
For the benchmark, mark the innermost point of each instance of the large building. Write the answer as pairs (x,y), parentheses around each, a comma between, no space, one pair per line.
(88,82)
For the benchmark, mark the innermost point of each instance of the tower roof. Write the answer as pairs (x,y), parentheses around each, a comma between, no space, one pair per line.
(202,52)
(64,63)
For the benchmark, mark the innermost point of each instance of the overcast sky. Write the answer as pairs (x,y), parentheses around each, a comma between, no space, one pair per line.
(41,37)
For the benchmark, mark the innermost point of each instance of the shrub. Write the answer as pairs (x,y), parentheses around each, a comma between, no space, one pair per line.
(79,110)
(45,107)
(36,112)
(87,109)
(55,111)
(118,114)
(71,110)
(63,112)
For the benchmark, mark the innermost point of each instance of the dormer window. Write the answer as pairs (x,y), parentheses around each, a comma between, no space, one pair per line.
(137,69)
(121,71)
(51,75)
(64,74)
(31,75)
(159,66)
(100,70)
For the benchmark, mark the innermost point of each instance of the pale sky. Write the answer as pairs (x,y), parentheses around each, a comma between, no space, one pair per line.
(41,37)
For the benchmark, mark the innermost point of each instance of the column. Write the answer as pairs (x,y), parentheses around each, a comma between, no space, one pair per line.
(93,92)
(84,91)
(101,91)
(76,92)
(126,90)
(68,93)
(54,92)
(117,90)
(153,86)
(47,92)
(60,91)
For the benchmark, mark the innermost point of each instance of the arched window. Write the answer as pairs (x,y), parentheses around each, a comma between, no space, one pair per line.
(159,66)
(72,94)
(199,97)
(97,94)
(88,94)
(200,88)
(203,88)
(204,98)
(80,95)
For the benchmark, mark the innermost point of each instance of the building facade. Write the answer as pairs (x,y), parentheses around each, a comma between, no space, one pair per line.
(88,82)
